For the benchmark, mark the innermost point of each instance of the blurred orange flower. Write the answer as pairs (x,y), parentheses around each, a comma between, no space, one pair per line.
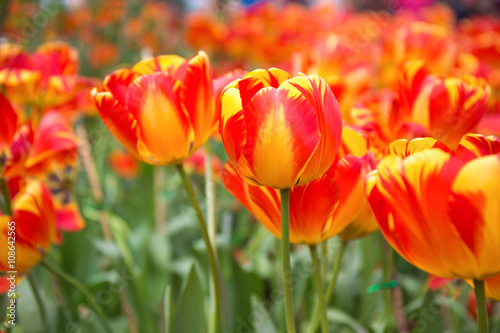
(123,163)
(47,78)
(35,227)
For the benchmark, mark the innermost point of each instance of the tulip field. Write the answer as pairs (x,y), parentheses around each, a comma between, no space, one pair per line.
(249,166)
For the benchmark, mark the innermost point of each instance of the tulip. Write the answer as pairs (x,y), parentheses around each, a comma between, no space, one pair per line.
(319,210)
(34,217)
(162,109)
(447,107)
(123,164)
(49,154)
(47,78)
(280,131)
(440,212)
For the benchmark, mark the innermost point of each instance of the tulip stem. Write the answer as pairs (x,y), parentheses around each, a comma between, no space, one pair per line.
(331,286)
(285,249)
(73,282)
(210,196)
(39,302)
(319,288)
(6,196)
(216,315)
(482,316)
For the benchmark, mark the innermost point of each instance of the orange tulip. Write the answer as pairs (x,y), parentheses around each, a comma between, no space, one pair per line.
(35,227)
(48,78)
(280,131)
(123,164)
(162,109)
(49,154)
(319,209)
(446,107)
(196,163)
(441,212)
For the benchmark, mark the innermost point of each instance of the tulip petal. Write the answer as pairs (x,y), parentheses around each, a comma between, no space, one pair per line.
(282,135)
(117,119)
(409,201)
(34,215)
(475,211)
(8,123)
(312,206)
(166,135)
(118,82)
(172,64)
(197,97)
(404,148)
(320,97)
(54,141)
(350,179)
(254,81)
(232,125)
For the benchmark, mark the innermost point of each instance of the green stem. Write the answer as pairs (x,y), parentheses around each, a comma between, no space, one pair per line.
(210,196)
(72,281)
(216,315)
(324,262)
(6,196)
(331,286)
(39,302)
(4,188)
(388,255)
(285,250)
(319,288)
(482,315)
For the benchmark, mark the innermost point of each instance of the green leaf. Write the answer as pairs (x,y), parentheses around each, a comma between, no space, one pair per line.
(168,310)
(190,310)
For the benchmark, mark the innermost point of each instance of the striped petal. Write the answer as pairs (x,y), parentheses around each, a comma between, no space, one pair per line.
(54,141)
(475,212)
(232,125)
(118,82)
(117,119)
(172,64)
(282,134)
(258,79)
(197,97)
(263,202)
(476,145)
(166,134)
(404,148)
(455,107)
(312,206)
(320,97)
(8,123)
(409,201)
(350,177)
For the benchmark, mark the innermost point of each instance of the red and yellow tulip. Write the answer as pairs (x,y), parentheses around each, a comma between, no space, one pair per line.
(280,131)
(447,108)
(162,109)
(35,226)
(47,78)
(441,212)
(319,209)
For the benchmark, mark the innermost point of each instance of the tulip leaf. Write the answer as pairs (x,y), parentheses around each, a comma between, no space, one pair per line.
(190,308)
